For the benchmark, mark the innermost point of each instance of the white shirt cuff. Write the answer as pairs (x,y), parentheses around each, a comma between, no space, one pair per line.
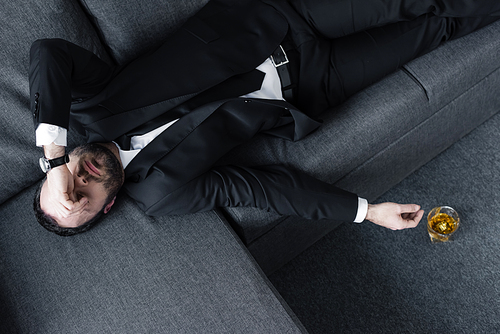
(47,134)
(362,210)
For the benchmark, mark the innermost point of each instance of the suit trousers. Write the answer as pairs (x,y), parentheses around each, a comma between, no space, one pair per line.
(344,46)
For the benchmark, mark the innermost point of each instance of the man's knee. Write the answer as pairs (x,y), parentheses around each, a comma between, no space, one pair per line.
(48,44)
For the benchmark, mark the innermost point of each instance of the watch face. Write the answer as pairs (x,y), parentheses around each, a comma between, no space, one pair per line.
(44,165)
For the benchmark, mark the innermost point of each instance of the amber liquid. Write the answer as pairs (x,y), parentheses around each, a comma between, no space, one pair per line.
(441,223)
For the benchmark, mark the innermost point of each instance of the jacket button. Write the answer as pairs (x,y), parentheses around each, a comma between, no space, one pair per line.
(35,112)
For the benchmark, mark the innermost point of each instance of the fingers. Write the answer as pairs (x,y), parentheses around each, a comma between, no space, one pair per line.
(80,205)
(75,208)
(409,208)
(65,207)
(413,219)
(411,216)
(395,216)
(416,216)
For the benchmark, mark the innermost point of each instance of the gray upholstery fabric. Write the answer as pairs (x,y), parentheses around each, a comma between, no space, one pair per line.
(426,140)
(287,240)
(250,224)
(129,28)
(368,279)
(377,138)
(21,24)
(132,274)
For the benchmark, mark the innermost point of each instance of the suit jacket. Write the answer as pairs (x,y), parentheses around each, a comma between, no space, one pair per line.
(196,75)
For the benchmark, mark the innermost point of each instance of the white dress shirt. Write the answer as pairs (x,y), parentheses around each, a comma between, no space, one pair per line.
(270,89)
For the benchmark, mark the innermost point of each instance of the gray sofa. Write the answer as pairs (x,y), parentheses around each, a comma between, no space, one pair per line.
(205,273)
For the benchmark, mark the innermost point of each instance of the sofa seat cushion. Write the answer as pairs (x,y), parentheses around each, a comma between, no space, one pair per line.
(132,274)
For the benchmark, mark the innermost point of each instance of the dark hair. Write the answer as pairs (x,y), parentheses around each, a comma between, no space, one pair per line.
(51,225)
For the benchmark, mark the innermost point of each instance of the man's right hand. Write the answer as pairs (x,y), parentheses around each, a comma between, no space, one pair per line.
(60,186)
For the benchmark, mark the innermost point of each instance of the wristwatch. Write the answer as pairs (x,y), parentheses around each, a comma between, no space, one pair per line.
(46,165)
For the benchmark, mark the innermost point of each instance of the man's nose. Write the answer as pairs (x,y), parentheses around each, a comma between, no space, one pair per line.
(80,180)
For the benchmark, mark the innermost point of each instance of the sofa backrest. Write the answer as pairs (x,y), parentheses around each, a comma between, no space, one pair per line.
(130,28)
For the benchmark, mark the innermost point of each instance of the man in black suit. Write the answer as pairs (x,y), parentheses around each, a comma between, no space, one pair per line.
(232,71)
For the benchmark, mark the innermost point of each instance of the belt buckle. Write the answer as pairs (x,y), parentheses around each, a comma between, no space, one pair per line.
(281,55)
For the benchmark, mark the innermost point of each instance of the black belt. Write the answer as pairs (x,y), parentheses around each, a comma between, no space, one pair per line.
(280,61)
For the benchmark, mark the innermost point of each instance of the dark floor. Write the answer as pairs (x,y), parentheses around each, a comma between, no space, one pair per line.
(362,278)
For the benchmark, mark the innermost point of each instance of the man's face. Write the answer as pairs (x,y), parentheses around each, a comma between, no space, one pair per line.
(96,172)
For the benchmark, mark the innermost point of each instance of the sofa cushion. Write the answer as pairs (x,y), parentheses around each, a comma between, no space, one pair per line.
(22,23)
(426,140)
(132,274)
(129,28)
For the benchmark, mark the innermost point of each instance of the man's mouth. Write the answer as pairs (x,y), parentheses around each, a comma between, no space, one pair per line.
(91,169)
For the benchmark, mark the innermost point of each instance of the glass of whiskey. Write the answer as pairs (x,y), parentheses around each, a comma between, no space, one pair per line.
(442,222)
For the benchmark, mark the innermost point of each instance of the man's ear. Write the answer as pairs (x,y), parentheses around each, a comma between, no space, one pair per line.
(109,205)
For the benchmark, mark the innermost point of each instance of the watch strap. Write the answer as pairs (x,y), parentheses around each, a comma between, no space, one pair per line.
(46,165)
(59,161)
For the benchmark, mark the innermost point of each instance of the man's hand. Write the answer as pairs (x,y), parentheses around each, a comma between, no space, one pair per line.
(395,216)
(60,186)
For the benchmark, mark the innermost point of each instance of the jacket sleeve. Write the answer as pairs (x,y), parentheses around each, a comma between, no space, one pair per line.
(61,72)
(273,188)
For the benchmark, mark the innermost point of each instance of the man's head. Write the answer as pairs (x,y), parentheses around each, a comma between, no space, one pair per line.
(98,175)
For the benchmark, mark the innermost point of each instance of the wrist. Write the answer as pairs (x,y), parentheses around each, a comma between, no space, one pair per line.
(53,151)
(370,213)
(54,156)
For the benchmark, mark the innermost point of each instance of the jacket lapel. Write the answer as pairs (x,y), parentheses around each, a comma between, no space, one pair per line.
(292,125)
(167,140)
